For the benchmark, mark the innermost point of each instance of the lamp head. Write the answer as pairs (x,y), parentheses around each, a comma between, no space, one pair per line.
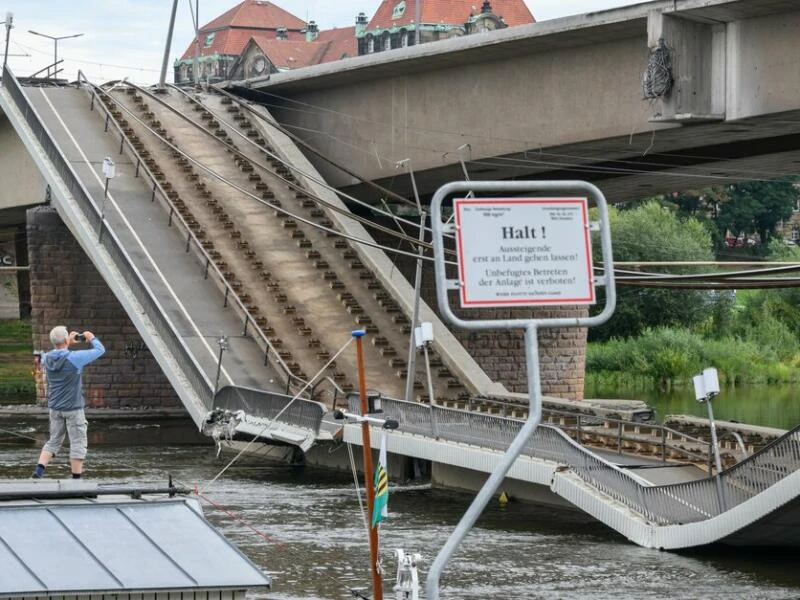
(699,388)
(711,381)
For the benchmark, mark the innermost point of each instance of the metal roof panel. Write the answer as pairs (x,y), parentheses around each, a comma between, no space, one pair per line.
(127,545)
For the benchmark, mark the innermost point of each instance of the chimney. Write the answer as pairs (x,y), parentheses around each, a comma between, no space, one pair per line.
(361,24)
(281,34)
(312,31)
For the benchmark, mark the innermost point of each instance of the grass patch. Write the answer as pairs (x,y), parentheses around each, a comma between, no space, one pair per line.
(16,358)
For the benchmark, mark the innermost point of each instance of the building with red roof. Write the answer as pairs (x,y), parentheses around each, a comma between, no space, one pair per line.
(394,23)
(220,41)
(256,37)
(266,54)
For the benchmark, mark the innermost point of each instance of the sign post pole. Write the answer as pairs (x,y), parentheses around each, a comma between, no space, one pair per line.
(518,252)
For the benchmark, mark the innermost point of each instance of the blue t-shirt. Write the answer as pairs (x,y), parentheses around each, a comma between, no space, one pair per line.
(64,368)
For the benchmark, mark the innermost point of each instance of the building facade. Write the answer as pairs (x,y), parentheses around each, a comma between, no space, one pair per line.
(257,38)
(394,24)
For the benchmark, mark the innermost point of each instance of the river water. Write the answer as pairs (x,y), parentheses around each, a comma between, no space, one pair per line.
(767,405)
(311,536)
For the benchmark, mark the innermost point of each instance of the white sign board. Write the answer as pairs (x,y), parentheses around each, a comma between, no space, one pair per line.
(523,251)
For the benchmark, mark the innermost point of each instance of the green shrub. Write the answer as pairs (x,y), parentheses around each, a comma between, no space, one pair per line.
(670,356)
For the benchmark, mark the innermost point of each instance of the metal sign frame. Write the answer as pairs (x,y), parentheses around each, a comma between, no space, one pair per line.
(531,326)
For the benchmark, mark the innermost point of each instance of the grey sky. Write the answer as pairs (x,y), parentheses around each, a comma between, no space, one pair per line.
(126,38)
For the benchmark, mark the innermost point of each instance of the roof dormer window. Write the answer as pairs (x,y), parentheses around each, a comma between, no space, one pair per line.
(399,9)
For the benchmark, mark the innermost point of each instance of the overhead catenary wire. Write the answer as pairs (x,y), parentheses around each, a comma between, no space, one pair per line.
(625,281)
(367,222)
(282,210)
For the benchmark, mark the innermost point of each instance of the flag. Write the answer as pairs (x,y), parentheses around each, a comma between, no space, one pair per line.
(380,510)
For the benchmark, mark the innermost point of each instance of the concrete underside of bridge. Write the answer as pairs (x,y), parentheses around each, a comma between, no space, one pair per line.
(560,100)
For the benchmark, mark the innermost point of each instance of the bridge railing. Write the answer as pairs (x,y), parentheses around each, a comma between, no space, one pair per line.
(306,414)
(128,271)
(665,504)
(678,502)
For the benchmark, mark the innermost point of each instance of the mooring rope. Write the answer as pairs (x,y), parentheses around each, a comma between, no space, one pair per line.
(275,418)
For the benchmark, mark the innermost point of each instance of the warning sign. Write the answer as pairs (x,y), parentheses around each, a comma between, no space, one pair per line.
(523,251)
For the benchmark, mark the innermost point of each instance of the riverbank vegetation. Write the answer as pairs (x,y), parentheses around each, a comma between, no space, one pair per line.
(16,359)
(663,336)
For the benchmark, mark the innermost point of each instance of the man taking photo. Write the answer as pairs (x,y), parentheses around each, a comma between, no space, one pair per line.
(63,369)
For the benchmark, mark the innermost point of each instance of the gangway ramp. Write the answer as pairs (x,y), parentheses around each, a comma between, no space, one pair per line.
(142,250)
(192,257)
(289,248)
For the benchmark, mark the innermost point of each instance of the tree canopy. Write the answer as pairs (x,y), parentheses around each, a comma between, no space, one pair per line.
(742,209)
(654,233)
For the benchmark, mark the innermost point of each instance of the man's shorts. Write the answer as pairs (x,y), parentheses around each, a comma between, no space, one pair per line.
(72,423)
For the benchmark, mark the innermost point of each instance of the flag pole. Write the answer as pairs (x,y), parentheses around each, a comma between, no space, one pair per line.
(377,584)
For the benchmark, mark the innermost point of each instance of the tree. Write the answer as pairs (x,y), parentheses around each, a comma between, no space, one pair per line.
(756,207)
(653,233)
(752,207)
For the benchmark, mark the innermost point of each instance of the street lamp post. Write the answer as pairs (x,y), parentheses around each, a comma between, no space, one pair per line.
(55,47)
(223,345)
(423,336)
(109,171)
(9,23)
(706,387)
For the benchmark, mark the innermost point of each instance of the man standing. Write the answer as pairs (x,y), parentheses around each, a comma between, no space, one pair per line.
(63,369)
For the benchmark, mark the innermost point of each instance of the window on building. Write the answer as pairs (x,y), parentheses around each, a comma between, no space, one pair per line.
(399,9)
(209,39)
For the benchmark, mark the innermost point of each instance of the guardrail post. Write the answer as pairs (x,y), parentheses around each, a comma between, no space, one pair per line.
(663,445)
(578,431)
(434,423)
(619,438)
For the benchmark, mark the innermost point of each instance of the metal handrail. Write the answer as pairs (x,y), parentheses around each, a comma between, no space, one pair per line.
(306,414)
(665,504)
(170,337)
(271,353)
(666,433)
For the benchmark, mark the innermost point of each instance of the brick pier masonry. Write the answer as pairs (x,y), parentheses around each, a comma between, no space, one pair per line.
(67,290)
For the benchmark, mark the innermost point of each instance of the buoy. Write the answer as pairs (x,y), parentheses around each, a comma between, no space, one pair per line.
(503,499)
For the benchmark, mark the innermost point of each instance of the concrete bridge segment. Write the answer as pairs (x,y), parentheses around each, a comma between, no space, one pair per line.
(563,99)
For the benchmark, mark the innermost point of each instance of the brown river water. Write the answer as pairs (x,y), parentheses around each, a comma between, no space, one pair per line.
(311,537)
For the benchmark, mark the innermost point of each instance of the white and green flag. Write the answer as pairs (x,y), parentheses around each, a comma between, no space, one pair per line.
(380,509)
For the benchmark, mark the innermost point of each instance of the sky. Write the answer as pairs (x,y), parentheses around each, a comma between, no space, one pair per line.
(127,38)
